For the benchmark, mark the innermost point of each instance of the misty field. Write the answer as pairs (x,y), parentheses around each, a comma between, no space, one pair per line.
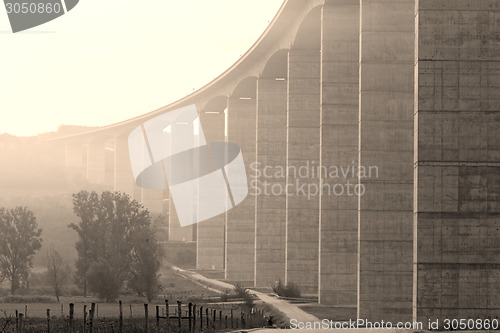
(177,287)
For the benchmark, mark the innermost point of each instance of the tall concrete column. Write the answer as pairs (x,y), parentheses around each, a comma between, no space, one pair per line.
(210,233)
(96,162)
(74,156)
(240,228)
(153,200)
(303,156)
(386,142)
(270,222)
(176,233)
(457,165)
(339,149)
(109,163)
(123,177)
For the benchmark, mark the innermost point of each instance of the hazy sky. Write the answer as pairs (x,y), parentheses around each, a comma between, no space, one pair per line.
(109,60)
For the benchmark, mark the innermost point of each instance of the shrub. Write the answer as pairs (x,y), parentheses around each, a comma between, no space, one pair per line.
(240,290)
(249,300)
(291,290)
(279,288)
(225,295)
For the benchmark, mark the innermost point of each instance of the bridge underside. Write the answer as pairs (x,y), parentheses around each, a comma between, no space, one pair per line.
(408,91)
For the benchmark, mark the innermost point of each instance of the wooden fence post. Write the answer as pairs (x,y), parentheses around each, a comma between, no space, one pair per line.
(225,322)
(167,314)
(179,315)
(194,317)
(71,314)
(201,318)
(21,323)
(91,319)
(48,320)
(85,317)
(157,318)
(232,319)
(120,323)
(146,317)
(190,314)
(208,317)
(26,311)
(220,319)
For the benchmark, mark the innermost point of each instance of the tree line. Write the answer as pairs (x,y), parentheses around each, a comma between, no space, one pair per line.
(116,247)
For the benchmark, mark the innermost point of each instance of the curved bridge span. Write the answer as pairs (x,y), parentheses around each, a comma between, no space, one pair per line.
(398,98)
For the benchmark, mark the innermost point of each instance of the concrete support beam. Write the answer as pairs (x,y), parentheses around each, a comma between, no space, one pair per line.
(457,165)
(240,228)
(270,208)
(303,153)
(153,200)
(210,234)
(386,142)
(109,164)
(74,156)
(176,233)
(123,177)
(96,162)
(339,149)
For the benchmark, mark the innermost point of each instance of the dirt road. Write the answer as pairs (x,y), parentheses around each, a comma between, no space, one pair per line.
(289,310)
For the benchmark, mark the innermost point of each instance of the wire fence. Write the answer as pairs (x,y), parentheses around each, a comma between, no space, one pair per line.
(158,318)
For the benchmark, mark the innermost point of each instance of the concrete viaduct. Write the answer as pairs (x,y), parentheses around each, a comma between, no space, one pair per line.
(409,86)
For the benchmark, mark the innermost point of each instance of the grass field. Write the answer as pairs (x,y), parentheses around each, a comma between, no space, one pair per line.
(176,287)
(60,325)
(104,310)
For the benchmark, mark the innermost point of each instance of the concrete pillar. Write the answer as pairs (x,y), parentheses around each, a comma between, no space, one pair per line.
(74,156)
(240,228)
(303,156)
(211,233)
(386,148)
(339,149)
(457,164)
(270,223)
(96,162)
(123,177)
(176,233)
(153,200)
(109,164)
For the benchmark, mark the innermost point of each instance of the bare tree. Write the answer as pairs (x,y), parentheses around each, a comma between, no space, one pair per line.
(57,271)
